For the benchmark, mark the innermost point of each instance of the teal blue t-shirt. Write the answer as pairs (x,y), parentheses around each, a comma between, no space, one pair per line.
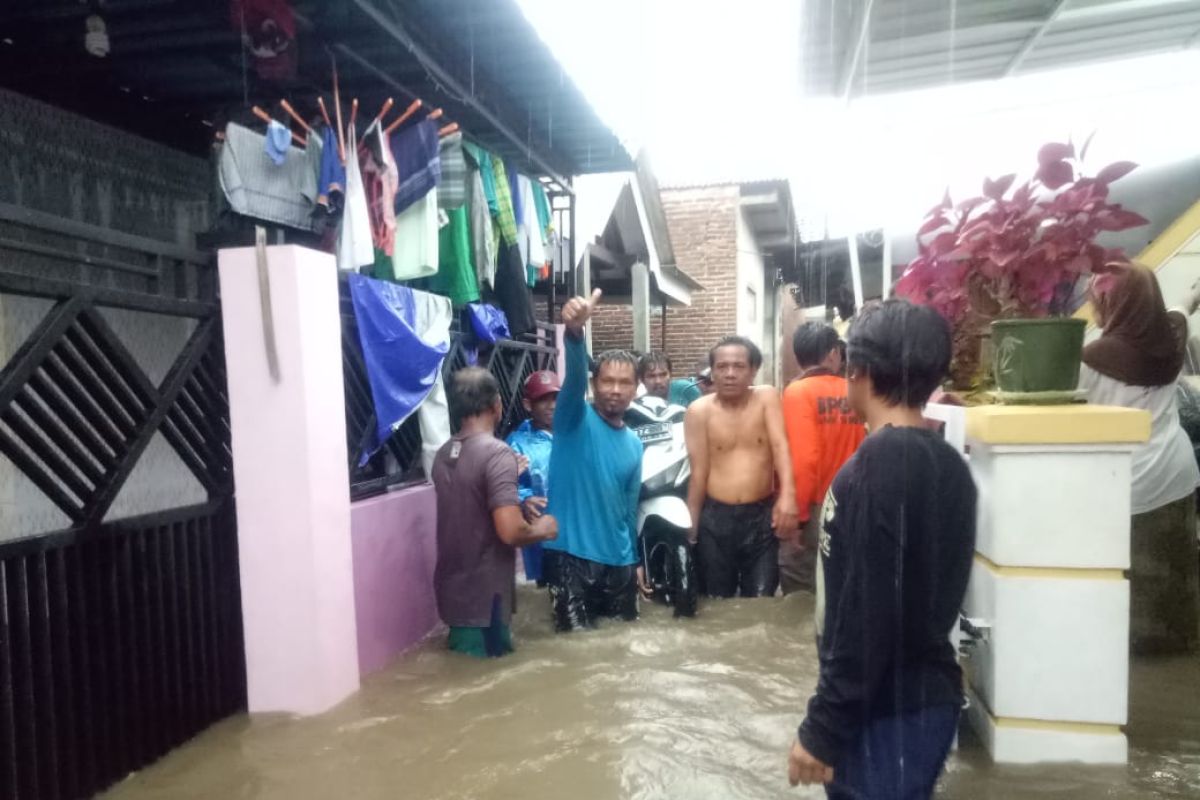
(595,474)
(684,392)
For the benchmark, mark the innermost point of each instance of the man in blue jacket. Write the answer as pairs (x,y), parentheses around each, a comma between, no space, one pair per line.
(533,439)
(595,481)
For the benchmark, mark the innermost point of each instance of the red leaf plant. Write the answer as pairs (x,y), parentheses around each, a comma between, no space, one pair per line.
(1015,252)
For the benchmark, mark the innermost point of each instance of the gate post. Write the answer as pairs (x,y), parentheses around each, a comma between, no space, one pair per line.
(291,480)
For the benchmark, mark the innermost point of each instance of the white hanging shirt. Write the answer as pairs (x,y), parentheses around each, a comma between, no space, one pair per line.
(355,247)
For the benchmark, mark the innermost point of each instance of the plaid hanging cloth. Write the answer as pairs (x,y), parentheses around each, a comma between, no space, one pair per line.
(452,191)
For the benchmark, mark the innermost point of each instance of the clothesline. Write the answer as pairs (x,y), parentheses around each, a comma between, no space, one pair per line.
(422,206)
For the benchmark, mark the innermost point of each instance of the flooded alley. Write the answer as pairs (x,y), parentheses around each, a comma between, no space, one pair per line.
(660,709)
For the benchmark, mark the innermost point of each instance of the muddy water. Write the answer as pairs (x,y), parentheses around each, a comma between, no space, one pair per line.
(658,709)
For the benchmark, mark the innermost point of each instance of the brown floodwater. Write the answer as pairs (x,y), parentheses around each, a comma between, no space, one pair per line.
(661,708)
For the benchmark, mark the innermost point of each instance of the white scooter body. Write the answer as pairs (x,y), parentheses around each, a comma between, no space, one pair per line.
(663,514)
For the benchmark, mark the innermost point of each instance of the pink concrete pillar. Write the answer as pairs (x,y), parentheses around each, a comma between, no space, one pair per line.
(292,486)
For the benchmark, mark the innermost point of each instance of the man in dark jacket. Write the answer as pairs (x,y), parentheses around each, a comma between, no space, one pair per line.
(896,546)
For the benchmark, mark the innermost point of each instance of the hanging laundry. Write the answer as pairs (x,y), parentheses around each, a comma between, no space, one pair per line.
(256,187)
(483,241)
(512,293)
(405,336)
(331,183)
(355,247)
(278,142)
(518,200)
(483,160)
(415,149)
(433,318)
(268,31)
(456,270)
(535,252)
(415,254)
(544,214)
(489,323)
(505,217)
(381,182)
(452,191)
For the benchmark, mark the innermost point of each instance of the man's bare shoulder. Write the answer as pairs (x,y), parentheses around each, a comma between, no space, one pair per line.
(701,406)
(767,395)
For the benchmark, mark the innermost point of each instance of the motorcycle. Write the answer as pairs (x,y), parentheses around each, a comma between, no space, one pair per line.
(663,517)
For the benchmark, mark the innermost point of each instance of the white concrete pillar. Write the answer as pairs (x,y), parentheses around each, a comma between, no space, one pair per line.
(292,483)
(639,276)
(1050,680)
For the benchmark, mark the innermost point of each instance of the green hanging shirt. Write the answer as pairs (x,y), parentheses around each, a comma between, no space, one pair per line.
(506,218)
(542,203)
(455,277)
(483,160)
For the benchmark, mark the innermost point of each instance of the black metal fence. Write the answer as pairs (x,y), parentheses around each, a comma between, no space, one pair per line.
(118,639)
(398,462)
(116,644)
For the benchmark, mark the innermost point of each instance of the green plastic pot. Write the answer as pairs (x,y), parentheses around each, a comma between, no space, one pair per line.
(1037,355)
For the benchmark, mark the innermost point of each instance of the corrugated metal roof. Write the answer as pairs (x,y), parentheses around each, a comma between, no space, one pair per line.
(857,47)
(494,75)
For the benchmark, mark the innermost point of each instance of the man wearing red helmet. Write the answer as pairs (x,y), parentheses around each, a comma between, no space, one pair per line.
(534,439)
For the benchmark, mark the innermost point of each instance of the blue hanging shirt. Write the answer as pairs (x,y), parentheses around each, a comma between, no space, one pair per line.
(595,474)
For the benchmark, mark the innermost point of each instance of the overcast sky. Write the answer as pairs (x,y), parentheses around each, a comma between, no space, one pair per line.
(712,90)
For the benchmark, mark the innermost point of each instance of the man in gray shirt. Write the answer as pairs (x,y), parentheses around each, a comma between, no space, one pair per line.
(479,521)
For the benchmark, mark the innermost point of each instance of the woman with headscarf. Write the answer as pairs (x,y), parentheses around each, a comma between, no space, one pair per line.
(1135,363)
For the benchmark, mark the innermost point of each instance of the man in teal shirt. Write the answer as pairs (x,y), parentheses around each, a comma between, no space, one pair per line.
(595,481)
(655,371)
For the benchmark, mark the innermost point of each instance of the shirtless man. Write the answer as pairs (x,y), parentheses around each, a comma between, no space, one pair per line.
(742,497)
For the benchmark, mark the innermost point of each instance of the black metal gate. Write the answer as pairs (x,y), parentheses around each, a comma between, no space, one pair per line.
(119,639)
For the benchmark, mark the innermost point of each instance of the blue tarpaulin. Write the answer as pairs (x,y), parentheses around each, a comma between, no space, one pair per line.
(403,357)
(489,323)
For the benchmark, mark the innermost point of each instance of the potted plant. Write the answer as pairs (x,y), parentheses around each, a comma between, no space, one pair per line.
(1012,260)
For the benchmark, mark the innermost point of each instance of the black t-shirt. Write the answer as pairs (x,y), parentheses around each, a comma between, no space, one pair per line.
(897,542)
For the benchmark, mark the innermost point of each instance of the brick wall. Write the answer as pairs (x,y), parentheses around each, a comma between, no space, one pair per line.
(702,223)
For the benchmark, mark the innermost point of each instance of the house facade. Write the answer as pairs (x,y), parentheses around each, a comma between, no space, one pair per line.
(734,239)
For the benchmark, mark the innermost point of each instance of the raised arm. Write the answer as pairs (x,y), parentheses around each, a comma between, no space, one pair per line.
(695,433)
(784,517)
(572,400)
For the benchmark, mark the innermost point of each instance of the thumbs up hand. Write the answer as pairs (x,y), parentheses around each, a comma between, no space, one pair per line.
(578,311)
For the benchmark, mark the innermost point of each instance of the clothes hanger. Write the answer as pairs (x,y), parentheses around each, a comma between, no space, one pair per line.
(265,117)
(324,111)
(337,107)
(447,130)
(408,112)
(286,106)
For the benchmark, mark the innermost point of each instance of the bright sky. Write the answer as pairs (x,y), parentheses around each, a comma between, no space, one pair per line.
(712,91)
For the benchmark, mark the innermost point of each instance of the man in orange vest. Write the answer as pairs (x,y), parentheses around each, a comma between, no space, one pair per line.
(823,432)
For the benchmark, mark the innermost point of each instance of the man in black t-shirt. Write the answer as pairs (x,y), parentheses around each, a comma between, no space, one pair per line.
(896,546)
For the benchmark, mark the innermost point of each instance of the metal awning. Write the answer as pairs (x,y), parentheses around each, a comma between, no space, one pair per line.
(176,69)
(866,47)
